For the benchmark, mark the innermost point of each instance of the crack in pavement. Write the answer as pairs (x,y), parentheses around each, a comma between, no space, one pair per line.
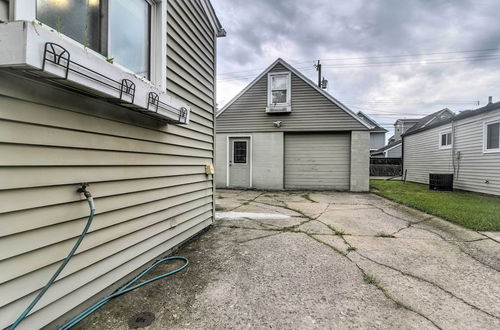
(402,272)
(365,274)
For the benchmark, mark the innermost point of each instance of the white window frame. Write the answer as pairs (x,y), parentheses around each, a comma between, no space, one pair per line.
(286,107)
(448,146)
(232,153)
(485,136)
(23,10)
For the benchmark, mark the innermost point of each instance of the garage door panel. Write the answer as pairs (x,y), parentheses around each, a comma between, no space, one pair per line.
(317,161)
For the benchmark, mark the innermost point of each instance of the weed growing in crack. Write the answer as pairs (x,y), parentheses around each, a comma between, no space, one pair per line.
(308,197)
(245,203)
(351,248)
(339,232)
(234,226)
(220,197)
(385,235)
(370,279)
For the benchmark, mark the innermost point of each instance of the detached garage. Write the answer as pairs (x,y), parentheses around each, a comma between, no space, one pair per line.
(284,132)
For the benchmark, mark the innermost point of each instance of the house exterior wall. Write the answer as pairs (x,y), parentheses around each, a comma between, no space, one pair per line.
(266,157)
(474,168)
(377,140)
(360,161)
(311,111)
(4,10)
(394,152)
(148,179)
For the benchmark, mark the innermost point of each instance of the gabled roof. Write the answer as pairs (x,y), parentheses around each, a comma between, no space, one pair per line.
(405,120)
(429,118)
(462,115)
(372,122)
(305,79)
(386,147)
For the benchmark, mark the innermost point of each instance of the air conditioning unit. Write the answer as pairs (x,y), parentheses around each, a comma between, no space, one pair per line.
(441,182)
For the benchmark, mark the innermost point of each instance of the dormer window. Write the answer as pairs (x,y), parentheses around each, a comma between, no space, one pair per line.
(279,92)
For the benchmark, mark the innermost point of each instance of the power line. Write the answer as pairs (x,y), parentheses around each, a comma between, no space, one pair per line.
(375,57)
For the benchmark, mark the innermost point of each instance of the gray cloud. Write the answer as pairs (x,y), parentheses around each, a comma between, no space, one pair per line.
(303,31)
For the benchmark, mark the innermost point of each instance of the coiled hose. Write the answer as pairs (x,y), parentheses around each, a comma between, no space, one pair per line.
(124,289)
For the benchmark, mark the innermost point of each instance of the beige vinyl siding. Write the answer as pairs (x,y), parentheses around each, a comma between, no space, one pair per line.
(317,161)
(148,178)
(423,156)
(311,111)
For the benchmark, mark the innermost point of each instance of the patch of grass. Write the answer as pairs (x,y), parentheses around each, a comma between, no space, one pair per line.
(351,248)
(308,197)
(245,203)
(384,235)
(471,210)
(339,232)
(370,279)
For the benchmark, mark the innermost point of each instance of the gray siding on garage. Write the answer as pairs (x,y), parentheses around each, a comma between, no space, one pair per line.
(311,111)
(423,156)
(148,179)
(317,161)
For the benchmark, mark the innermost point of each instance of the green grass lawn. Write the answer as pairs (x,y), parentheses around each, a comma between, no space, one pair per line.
(468,209)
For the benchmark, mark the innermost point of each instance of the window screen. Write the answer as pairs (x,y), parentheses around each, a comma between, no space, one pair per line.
(279,88)
(493,136)
(240,152)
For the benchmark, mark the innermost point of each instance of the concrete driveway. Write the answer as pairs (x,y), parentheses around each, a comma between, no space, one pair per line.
(322,261)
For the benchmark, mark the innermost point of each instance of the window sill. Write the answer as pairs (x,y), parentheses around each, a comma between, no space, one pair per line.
(44,54)
(445,147)
(278,109)
(491,151)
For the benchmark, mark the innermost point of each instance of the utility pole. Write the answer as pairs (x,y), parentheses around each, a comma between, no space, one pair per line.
(318,68)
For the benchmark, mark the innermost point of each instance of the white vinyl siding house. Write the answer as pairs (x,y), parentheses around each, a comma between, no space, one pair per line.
(146,169)
(297,137)
(464,147)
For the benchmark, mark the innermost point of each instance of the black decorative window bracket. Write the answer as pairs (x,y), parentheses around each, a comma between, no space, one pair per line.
(58,64)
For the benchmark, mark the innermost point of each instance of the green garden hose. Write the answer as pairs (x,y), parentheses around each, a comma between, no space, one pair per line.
(126,288)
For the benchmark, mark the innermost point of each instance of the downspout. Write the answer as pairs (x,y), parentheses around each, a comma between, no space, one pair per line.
(402,154)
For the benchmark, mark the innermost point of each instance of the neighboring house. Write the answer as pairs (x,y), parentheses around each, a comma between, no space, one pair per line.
(377,133)
(466,146)
(400,127)
(284,132)
(140,131)
(393,149)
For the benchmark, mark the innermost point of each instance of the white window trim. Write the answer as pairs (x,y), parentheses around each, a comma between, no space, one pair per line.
(485,136)
(283,107)
(23,10)
(448,146)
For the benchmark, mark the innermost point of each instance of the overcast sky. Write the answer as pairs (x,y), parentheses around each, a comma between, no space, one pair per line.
(360,44)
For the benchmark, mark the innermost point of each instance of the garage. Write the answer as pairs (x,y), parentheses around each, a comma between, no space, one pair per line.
(318,161)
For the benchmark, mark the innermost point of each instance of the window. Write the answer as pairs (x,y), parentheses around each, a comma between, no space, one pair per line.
(240,152)
(492,137)
(445,140)
(118,29)
(279,91)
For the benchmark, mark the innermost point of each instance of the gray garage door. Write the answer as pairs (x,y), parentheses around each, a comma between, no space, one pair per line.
(317,161)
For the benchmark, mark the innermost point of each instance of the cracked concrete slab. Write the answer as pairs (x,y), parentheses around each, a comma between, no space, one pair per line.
(323,268)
